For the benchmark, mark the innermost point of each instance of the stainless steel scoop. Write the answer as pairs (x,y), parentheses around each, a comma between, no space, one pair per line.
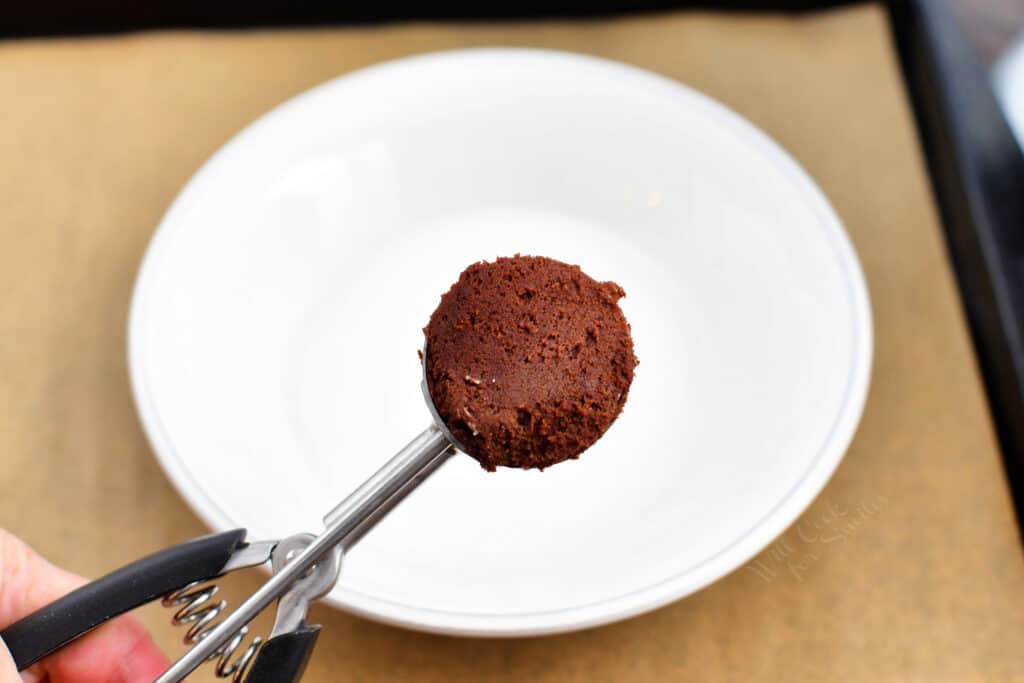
(343,527)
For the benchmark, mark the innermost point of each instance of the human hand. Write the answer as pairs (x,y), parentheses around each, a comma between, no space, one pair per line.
(120,651)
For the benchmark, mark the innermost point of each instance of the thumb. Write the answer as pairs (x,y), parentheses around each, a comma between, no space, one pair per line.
(119,651)
(8,672)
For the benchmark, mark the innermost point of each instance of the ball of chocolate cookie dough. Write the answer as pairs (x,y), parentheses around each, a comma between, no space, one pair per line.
(529,361)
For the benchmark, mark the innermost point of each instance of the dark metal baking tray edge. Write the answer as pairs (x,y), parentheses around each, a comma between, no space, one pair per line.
(977,173)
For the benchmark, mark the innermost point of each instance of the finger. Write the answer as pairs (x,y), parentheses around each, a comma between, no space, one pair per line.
(120,651)
(8,674)
(27,581)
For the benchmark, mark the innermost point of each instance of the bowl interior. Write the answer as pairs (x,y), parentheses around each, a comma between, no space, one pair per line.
(280,308)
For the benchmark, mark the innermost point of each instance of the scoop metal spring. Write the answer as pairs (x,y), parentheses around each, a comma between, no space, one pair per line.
(197,615)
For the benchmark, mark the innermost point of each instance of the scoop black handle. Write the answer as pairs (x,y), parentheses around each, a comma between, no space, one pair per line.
(55,625)
(283,658)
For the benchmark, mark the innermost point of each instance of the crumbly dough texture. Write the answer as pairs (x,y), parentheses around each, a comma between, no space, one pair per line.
(529,361)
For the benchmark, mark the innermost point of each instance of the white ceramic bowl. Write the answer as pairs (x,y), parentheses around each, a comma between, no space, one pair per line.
(278,311)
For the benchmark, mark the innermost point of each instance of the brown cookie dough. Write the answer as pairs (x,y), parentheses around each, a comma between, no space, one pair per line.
(529,361)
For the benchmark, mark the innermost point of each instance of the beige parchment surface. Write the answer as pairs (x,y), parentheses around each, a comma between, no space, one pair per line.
(907,568)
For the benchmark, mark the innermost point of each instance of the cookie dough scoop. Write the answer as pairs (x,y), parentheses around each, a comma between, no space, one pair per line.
(527,362)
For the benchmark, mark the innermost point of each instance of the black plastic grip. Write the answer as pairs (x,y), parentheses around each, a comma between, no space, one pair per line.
(283,659)
(53,626)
